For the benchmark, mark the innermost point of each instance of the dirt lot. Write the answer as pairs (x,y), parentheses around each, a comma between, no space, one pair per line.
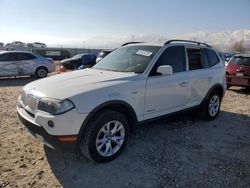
(181,151)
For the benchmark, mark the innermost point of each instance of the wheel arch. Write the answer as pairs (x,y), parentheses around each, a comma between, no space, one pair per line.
(116,105)
(41,66)
(217,87)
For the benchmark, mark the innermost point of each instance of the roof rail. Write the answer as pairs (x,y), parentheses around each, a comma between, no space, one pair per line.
(127,43)
(187,41)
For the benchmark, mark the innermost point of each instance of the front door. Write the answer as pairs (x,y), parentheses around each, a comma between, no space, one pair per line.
(167,94)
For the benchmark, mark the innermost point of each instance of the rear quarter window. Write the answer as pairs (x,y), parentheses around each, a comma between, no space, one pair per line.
(210,58)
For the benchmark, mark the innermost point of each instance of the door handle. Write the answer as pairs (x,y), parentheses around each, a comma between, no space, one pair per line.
(210,79)
(183,84)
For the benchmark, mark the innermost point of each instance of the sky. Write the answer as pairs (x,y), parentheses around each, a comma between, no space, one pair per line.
(85,23)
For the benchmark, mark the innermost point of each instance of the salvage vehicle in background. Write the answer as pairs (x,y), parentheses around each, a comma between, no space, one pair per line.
(93,110)
(19,63)
(238,71)
(73,63)
(36,45)
(18,43)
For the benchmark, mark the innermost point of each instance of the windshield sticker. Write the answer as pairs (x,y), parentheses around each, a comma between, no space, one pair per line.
(144,53)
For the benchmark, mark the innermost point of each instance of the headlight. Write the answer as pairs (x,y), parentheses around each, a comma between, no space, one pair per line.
(55,106)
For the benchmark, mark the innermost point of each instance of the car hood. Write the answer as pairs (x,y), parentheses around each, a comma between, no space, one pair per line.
(77,82)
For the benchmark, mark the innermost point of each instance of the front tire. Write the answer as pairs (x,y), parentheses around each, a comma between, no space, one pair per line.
(105,136)
(211,107)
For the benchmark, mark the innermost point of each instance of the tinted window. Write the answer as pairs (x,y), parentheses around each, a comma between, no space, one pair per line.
(174,56)
(240,61)
(212,57)
(24,56)
(7,57)
(206,63)
(194,59)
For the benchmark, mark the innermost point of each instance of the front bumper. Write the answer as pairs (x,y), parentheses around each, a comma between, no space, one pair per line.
(64,134)
(49,140)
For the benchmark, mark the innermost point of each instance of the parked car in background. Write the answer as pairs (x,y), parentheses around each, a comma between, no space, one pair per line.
(102,54)
(36,45)
(238,71)
(87,60)
(1,44)
(18,43)
(8,45)
(94,110)
(19,63)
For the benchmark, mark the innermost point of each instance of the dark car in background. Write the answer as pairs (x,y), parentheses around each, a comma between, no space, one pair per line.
(86,60)
(102,54)
(238,71)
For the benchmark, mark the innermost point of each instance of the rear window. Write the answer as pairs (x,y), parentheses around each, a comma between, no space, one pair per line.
(240,61)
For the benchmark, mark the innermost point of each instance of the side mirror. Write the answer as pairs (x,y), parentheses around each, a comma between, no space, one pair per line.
(165,70)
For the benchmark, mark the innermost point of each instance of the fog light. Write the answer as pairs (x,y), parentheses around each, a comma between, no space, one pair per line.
(51,124)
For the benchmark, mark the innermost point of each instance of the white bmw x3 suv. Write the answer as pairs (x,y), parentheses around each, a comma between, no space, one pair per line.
(93,110)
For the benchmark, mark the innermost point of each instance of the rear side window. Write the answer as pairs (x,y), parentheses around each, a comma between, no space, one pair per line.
(8,57)
(194,58)
(174,56)
(210,58)
(24,56)
(5,57)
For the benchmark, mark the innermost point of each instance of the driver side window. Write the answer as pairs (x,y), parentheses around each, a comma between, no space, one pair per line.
(174,56)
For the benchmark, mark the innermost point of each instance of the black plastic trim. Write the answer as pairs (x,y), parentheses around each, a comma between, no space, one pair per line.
(50,139)
(186,41)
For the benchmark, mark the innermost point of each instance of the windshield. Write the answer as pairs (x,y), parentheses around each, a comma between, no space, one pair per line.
(240,61)
(128,59)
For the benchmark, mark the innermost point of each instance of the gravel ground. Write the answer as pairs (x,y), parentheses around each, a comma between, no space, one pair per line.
(181,151)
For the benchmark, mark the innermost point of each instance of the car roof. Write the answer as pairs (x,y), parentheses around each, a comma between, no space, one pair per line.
(177,42)
(5,52)
(243,55)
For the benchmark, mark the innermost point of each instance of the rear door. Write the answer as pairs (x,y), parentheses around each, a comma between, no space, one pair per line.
(202,69)
(8,66)
(25,63)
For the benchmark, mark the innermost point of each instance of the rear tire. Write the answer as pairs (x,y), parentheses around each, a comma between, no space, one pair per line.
(41,72)
(105,136)
(211,107)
